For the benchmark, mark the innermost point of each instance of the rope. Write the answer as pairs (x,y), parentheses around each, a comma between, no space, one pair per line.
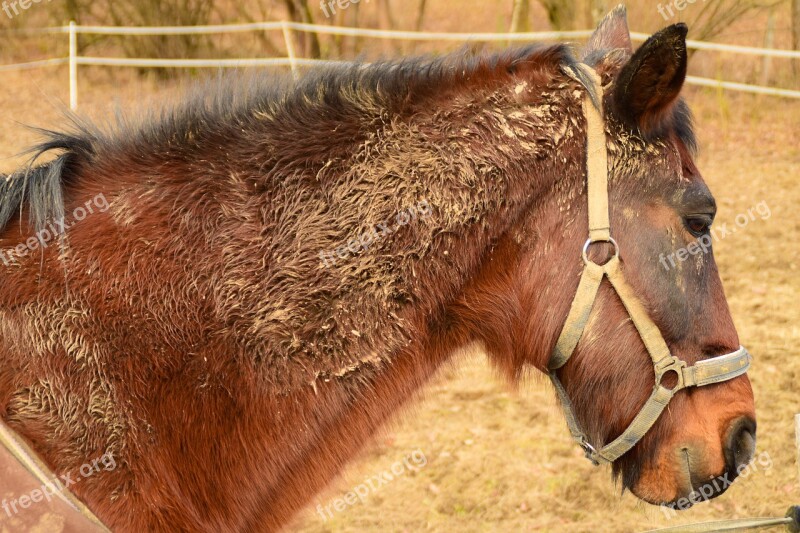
(791,521)
(35,64)
(385,34)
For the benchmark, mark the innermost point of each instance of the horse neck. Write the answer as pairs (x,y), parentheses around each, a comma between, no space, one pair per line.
(352,403)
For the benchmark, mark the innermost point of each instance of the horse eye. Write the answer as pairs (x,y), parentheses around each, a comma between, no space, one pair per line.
(698,225)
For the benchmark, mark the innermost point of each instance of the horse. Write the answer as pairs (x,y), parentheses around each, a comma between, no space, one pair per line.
(232,295)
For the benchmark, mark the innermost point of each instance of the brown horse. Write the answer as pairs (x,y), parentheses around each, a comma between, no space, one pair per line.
(230,298)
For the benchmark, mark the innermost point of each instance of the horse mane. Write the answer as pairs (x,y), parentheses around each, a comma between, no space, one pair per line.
(42,185)
(234,104)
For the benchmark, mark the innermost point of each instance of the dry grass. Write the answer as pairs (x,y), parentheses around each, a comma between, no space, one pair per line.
(501,460)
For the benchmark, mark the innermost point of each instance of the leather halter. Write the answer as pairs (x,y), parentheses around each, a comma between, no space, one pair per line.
(713,370)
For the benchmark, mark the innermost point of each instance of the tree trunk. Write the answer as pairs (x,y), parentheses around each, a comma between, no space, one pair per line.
(520,21)
(594,13)
(420,16)
(299,12)
(561,13)
(769,42)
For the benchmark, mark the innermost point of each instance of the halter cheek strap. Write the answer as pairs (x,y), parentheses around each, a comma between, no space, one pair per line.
(706,372)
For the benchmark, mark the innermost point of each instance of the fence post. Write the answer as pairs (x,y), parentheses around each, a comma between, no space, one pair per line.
(796,35)
(287,36)
(73,66)
(797,439)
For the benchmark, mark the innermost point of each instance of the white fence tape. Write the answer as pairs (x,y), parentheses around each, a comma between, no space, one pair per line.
(316,28)
(287,27)
(35,64)
(202,63)
(744,87)
(385,34)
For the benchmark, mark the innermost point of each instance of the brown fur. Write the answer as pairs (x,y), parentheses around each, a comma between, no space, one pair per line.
(192,331)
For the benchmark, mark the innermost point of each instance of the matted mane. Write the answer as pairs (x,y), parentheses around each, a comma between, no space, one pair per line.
(287,170)
(236,104)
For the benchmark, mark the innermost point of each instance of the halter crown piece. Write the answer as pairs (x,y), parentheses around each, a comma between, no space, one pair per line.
(705,372)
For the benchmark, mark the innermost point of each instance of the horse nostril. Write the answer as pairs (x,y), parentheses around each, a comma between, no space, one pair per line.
(741,444)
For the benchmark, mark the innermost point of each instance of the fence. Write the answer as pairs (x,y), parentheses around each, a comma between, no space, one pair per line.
(74,59)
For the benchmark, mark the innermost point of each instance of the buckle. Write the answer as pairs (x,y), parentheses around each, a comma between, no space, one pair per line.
(589,242)
(671,364)
(588,450)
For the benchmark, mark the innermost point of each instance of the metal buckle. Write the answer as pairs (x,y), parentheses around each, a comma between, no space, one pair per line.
(588,450)
(671,364)
(589,242)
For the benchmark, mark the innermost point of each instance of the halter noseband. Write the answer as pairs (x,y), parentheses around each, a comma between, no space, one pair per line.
(706,372)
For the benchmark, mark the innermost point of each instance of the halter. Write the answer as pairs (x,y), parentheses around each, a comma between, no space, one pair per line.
(713,370)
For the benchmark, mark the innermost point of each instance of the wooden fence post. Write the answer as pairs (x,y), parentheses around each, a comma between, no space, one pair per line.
(797,442)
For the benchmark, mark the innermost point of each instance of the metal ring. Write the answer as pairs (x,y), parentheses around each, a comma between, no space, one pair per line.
(667,365)
(589,242)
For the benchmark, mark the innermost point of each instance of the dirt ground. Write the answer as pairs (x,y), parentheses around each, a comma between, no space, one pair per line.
(501,460)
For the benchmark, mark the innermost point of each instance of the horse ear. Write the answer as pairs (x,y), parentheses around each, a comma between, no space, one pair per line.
(649,84)
(611,34)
